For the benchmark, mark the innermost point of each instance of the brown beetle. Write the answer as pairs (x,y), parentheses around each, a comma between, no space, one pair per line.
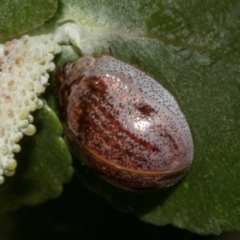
(123,124)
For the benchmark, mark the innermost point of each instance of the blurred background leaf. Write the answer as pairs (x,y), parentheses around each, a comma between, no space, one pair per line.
(44,164)
(18,17)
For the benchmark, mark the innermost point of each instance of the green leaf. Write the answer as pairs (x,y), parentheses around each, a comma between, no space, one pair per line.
(44,164)
(192,49)
(18,17)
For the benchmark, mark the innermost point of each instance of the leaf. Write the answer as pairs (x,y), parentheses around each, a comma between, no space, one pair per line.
(192,49)
(44,164)
(18,17)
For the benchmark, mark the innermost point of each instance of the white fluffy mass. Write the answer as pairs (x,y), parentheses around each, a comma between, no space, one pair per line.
(24,67)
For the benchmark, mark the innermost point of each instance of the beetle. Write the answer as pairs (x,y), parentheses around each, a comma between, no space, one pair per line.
(123,123)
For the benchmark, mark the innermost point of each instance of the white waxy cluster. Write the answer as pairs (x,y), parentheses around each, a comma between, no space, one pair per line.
(24,67)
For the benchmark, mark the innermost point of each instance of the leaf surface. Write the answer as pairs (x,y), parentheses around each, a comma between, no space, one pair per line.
(44,164)
(18,17)
(192,49)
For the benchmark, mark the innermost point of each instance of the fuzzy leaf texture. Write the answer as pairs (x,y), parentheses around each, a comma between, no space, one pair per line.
(18,17)
(192,48)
